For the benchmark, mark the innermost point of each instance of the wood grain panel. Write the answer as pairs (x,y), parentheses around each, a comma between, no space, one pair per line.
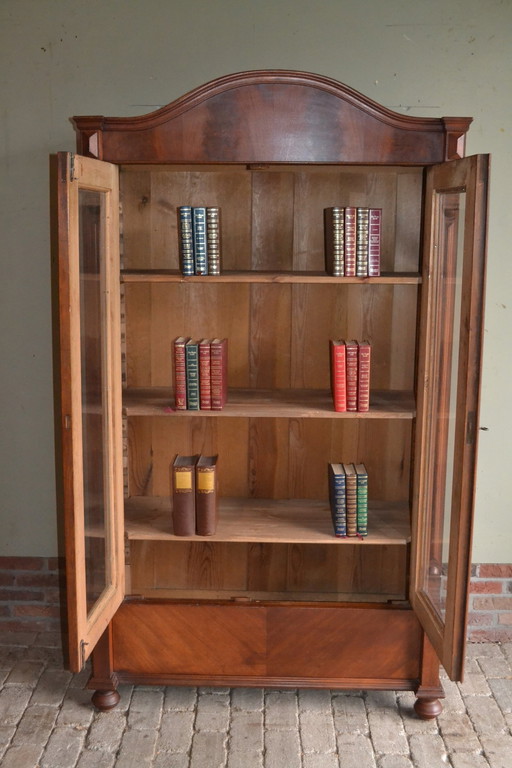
(190,639)
(348,642)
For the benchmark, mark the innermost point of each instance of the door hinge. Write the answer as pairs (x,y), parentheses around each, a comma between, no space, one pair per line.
(82,652)
(470,428)
(72,167)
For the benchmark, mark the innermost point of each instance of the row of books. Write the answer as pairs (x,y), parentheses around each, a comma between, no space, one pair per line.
(200,373)
(350,374)
(353,241)
(348,497)
(194,495)
(199,240)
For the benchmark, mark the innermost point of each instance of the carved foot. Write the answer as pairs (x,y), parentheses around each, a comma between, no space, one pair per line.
(105,700)
(427,709)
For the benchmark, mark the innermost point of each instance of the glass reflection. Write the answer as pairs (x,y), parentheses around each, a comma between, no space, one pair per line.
(450,244)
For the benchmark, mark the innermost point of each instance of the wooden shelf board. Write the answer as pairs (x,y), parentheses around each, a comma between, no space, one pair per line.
(295,521)
(290,403)
(249,596)
(173,276)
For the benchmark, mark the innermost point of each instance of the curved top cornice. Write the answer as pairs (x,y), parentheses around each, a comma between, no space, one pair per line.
(272,116)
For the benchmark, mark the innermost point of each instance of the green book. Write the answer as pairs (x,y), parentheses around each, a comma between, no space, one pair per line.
(362,500)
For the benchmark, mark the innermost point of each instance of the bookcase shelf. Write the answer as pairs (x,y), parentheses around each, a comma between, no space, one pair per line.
(295,521)
(290,403)
(299,277)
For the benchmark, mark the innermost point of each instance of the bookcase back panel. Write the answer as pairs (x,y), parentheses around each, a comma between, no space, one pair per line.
(275,571)
(271,219)
(291,351)
(271,458)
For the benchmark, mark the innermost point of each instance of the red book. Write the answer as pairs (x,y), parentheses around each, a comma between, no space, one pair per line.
(350,240)
(205,381)
(374,241)
(352,358)
(363,382)
(338,374)
(180,373)
(219,372)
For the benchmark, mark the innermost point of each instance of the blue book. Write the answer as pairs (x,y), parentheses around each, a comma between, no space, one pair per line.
(337,499)
(200,240)
(192,371)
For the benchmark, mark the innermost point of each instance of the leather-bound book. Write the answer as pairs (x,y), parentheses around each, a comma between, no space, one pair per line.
(352,364)
(337,499)
(338,374)
(362,500)
(363,376)
(351,498)
(180,373)
(183,495)
(374,242)
(219,372)
(206,496)
(334,229)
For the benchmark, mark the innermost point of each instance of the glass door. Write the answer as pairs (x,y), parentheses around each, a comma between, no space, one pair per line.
(447,407)
(90,368)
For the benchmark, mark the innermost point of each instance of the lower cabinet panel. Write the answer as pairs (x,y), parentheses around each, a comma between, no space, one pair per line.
(366,646)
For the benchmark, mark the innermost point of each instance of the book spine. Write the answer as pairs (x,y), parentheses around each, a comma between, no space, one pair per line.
(192,369)
(362,501)
(374,241)
(334,226)
(338,375)
(352,355)
(219,373)
(180,374)
(200,249)
(338,501)
(186,242)
(351,499)
(213,240)
(183,494)
(350,241)
(363,381)
(362,230)
(205,381)
(206,496)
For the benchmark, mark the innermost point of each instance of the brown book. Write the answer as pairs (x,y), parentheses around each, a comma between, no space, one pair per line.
(374,242)
(350,240)
(183,495)
(213,240)
(219,372)
(363,380)
(206,496)
(180,373)
(351,498)
(363,216)
(205,379)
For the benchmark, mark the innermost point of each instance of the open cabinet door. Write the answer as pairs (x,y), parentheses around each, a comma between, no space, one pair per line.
(89,343)
(447,408)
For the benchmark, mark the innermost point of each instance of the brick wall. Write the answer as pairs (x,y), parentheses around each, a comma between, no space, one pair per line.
(30,594)
(30,590)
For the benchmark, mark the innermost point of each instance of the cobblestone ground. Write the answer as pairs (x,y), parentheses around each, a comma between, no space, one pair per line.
(46,721)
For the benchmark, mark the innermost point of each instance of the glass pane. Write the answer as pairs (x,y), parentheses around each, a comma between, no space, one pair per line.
(450,245)
(91,212)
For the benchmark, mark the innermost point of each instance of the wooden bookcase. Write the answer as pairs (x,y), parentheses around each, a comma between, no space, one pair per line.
(273,598)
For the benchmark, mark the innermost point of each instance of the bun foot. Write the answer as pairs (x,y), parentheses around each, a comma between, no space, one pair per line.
(427,709)
(105,700)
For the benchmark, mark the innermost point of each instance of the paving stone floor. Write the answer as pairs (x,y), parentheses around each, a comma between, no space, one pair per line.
(46,721)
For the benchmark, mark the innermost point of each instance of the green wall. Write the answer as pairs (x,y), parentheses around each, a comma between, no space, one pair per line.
(127,57)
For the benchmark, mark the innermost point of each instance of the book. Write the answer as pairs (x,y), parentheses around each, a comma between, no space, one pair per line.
(362,234)
(200,246)
(183,495)
(352,373)
(374,241)
(205,380)
(180,373)
(192,374)
(338,374)
(334,230)
(213,240)
(185,238)
(351,498)
(337,499)
(363,376)
(206,496)
(219,372)
(350,240)
(362,499)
